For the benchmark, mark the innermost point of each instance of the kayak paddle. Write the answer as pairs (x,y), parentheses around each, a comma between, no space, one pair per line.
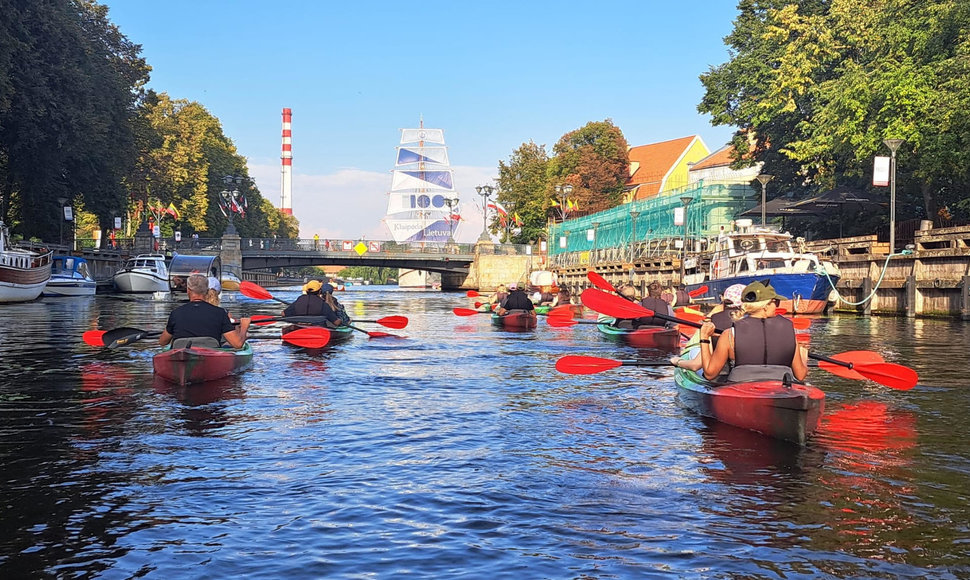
(588,365)
(891,375)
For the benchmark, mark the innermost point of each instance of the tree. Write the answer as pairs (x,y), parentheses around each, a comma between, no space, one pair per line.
(522,190)
(595,161)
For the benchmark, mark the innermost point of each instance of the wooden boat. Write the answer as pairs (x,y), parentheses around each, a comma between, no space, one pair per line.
(198,364)
(516,320)
(70,276)
(23,273)
(790,412)
(642,337)
(145,273)
(338,335)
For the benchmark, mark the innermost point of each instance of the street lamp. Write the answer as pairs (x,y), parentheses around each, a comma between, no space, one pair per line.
(562,197)
(233,200)
(893,145)
(485,191)
(683,251)
(764,178)
(60,233)
(451,202)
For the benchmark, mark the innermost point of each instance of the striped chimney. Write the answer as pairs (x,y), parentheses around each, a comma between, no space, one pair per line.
(286,179)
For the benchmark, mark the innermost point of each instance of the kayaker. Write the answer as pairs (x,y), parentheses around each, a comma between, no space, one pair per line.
(654,301)
(682,297)
(722,316)
(562,297)
(199,319)
(312,303)
(215,289)
(629,292)
(501,293)
(335,305)
(515,301)
(762,344)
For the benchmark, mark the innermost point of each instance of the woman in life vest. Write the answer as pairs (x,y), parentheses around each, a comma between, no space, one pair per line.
(722,316)
(762,344)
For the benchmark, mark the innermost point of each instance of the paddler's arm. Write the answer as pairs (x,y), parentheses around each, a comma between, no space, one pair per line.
(237,337)
(713,359)
(799,364)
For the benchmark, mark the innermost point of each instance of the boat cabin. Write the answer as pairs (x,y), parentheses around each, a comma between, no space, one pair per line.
(184,265)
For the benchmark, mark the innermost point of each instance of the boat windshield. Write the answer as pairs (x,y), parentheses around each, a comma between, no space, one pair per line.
(82,269)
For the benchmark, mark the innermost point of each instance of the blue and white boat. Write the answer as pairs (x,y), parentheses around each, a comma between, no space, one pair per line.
(757,253)
(70,276)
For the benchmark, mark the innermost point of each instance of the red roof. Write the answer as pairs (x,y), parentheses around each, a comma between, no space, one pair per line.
(653,162)
(720,158)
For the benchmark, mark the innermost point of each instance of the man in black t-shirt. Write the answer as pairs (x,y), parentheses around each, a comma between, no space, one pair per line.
(311,303)
(516,300)
(198,318)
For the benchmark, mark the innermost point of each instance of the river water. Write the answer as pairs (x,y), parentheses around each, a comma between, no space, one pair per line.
(459,451)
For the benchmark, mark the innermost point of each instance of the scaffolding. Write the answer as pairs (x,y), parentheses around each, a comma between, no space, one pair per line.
(645,228)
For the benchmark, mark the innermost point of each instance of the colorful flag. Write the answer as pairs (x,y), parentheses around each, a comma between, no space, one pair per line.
(518,220)
(173,212)
(498,208)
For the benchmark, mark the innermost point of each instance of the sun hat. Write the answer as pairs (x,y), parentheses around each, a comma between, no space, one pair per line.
(214,284)
(758,291)
(312,287)
(733,294)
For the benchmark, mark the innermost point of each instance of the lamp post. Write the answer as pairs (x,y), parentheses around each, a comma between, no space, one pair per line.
(683,251)
(764,178)
(60,233)
(232,199)
(592,259)
(893,145)
(562,197)
(485,191)
(451,202)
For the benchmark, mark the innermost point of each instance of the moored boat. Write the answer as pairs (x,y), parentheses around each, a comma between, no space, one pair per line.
(751,254)
(144,273)
(70,276)
(229,281)
(790,412)
(23,273)
(642,337)
(517,320)
(198,364)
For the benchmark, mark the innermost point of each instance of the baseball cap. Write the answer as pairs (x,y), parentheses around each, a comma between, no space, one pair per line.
(758,291)
(733,294)
(214,284)
(327,289)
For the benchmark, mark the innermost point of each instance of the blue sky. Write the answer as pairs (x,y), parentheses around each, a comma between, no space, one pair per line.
(493,75)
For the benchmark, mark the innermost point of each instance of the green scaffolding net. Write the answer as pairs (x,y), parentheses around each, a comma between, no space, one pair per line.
(650,222)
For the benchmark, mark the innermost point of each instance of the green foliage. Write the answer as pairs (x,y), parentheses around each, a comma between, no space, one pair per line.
(595,161)
(821,84)
(373,274)
(522,191)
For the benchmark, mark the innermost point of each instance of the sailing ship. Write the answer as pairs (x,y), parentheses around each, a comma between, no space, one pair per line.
(23,273)
(756,253)
(422,205)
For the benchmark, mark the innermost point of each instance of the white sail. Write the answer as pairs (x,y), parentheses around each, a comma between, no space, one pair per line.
(422,205)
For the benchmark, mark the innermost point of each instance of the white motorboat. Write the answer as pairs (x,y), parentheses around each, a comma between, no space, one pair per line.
(23,273)
(145,273)
(70,276)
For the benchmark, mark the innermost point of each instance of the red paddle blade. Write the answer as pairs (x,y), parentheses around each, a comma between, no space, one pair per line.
(612,305)
(466,311)
(93,337)
(780,311)
(801,323)
(690,316)
(472,294)
(562,311)
(262,319)
(560,321)
(889,374)
(379,334)
(479,304)
(310,337)
(585,365)
(254,290)
(599,281)
(803,338)
(698,291)
(396,322)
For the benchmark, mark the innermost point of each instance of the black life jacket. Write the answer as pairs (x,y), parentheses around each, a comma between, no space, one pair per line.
(722,321)
(658,305)
(764,341)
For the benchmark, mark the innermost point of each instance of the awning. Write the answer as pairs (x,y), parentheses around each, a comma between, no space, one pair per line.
(778,207)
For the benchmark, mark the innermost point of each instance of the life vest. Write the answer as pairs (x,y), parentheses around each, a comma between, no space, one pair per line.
(659,306)
(764,341)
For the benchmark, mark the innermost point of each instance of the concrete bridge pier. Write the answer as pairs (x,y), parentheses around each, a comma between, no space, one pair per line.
(231,253)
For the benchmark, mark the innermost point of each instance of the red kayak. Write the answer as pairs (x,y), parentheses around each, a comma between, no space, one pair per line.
(788,412)
(644,336)
(516,320)
(194,364)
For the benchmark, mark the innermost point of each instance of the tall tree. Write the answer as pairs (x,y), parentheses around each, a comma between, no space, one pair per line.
(595,161)
(522,190)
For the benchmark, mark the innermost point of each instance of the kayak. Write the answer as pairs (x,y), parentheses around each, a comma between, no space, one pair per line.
(787,412)
(643,337)
(194,364)
(543,309)
(516,320)
(338,335)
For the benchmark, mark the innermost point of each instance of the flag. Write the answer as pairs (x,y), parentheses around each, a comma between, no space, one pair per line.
(498,208)
(518,220)
(573,205)
(173,212)
(555,203)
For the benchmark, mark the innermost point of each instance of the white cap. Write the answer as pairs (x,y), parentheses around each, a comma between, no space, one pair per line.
(214,284)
